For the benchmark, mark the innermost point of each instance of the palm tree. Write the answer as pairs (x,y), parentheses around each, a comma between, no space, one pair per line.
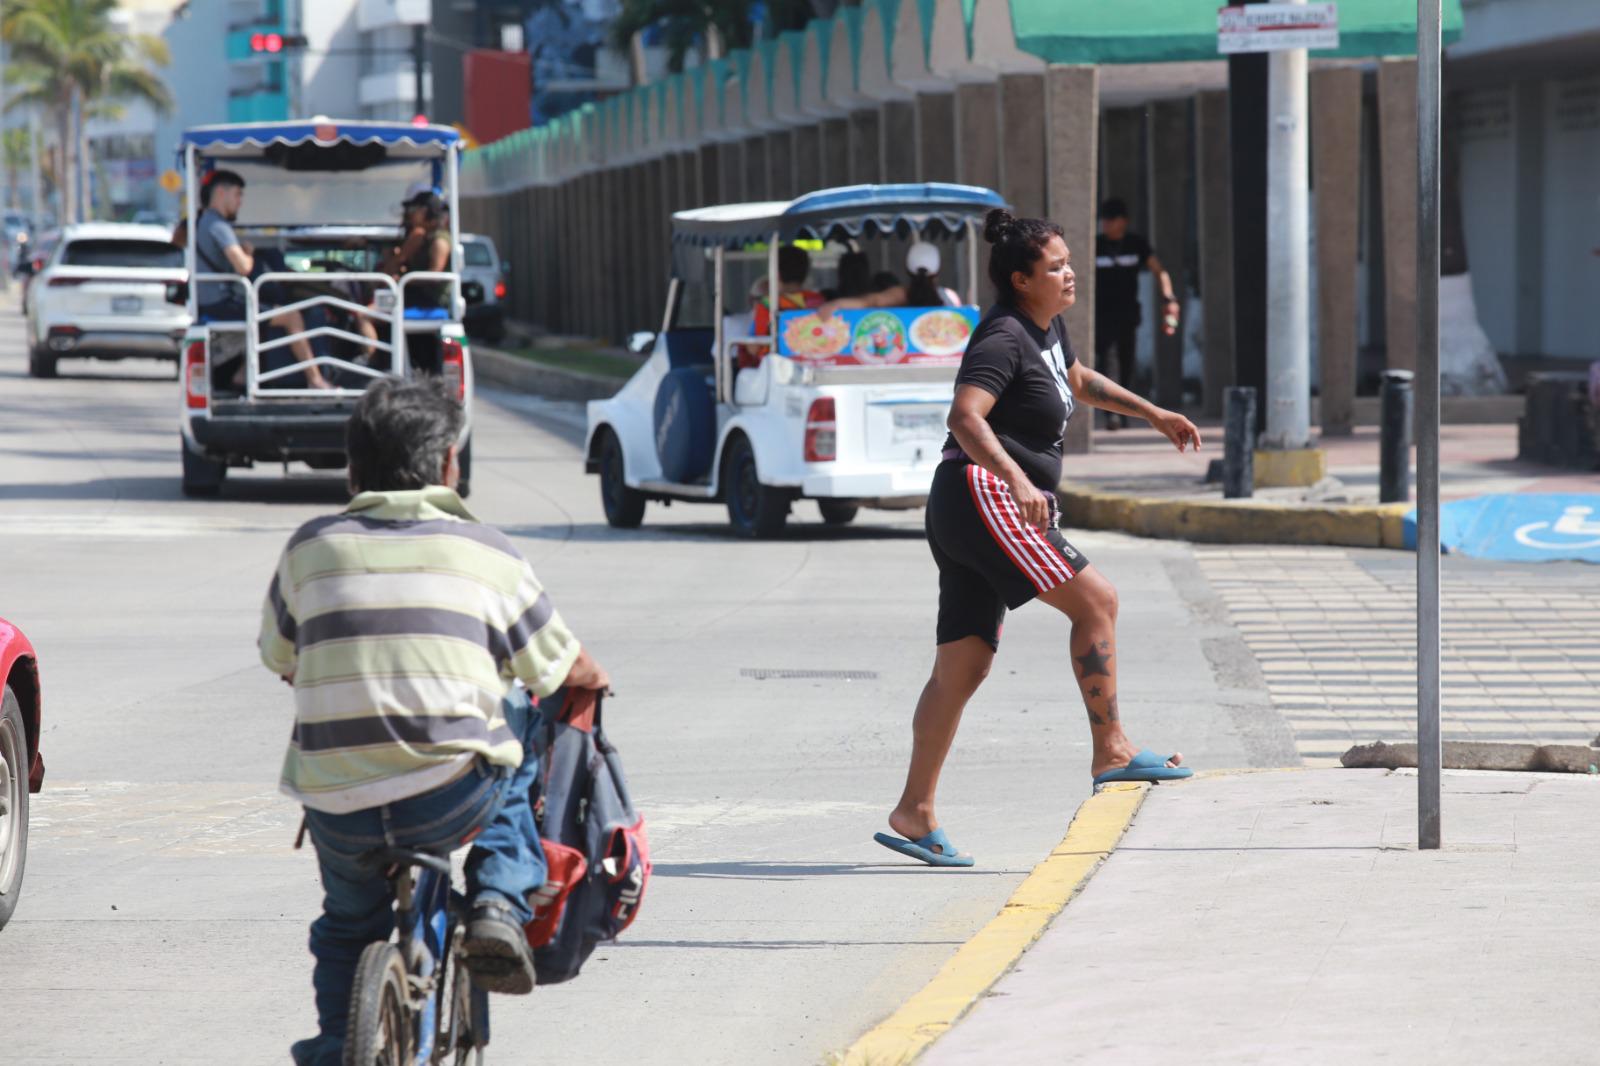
(68,58)
(728,24)
(16,154)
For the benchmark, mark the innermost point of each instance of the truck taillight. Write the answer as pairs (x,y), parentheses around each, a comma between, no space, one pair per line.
(822,438)
(194,374)
(499,290)
(454,362)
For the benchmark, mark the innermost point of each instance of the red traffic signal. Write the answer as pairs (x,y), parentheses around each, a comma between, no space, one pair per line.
(273,43)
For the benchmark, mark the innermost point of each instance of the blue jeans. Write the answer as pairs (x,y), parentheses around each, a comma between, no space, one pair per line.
(505,864)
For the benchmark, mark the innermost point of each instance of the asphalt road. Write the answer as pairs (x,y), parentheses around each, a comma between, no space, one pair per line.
(164,915)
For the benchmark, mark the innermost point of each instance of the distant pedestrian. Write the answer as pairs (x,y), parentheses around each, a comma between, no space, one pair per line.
(1119,256)
(992,523)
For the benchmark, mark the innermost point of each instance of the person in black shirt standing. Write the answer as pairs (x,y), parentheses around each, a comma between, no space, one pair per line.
(1119,256)
(993,529)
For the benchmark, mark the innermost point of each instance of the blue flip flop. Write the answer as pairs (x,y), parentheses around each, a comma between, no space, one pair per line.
(923,849)
(1145,766)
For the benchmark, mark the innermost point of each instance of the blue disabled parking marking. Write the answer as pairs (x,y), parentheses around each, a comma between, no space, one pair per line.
(1519,527)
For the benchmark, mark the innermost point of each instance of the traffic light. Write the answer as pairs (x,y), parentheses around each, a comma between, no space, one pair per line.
(274,43)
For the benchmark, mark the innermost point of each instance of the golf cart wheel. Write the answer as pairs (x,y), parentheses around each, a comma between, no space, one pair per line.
(201,476)
(756,510)
(380,1032)
(838,512)
(41,363)
(624,506)
(13,803)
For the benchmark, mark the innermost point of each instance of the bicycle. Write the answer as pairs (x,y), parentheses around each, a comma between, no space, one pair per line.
(413,1002)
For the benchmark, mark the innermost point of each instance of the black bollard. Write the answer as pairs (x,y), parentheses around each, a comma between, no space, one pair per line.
(1394,447)
(1239,443)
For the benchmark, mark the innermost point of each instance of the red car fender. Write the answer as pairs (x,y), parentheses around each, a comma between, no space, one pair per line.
(19,667)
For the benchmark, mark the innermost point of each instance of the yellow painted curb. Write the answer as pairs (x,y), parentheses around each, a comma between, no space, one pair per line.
(983,960)
(1296,468)
(1236,521)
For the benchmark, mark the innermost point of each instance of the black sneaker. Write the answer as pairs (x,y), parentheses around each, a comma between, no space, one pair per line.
(497,953)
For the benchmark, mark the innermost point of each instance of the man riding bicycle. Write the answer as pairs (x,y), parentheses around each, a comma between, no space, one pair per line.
(401,622)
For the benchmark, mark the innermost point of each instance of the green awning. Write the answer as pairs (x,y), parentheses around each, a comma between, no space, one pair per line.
(1167,31)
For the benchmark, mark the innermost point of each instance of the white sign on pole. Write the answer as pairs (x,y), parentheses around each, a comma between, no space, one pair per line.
(1277,27)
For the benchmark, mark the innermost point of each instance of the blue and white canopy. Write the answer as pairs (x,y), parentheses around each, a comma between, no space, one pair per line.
(246,140)
(930,208)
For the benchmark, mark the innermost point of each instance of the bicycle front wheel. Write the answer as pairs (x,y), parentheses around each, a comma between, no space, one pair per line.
(380,1031)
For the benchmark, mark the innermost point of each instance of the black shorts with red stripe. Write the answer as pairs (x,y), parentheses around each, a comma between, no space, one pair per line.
(989,558)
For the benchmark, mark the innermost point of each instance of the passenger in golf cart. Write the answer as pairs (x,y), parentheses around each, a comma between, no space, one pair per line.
(218,250)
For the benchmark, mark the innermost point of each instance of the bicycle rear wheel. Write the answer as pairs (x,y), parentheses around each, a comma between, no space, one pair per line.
(380,1032)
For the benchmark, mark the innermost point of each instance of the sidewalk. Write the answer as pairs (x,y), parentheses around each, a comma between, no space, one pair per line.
(1135,481)
(1285,916)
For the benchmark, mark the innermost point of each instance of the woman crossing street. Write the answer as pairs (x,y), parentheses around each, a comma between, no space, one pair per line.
(992,523)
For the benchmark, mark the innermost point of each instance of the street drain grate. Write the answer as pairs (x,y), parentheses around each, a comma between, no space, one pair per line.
(809,675)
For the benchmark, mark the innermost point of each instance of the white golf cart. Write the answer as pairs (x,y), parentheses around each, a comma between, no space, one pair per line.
(322,206)
(849,411)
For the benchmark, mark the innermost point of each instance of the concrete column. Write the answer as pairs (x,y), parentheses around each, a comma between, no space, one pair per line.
(1022,123)
(977,145)
(689,194)
(1397,132)
(710,167)
(807,149)
(936,137)
(865,158)
(756,178)
(1288,255)
(780,165)
(1122,144)
(1214,185)
(897,131)
(1073,104)
(1336,156)
(1527,103)
(731,185)
(1170,164)
(835,152)
(664,173)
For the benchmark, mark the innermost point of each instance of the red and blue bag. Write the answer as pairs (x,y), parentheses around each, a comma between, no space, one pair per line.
(594,840)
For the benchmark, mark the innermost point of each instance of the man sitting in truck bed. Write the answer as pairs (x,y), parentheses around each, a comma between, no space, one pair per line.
(218,250)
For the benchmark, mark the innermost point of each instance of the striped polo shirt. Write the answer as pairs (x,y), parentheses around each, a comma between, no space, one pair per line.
(403,621)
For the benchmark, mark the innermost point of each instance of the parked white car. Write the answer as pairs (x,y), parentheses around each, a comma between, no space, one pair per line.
(848,411)
(483,284)
(108,291)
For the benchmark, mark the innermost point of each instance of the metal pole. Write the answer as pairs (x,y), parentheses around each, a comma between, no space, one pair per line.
(1288,392)
(419,57)
(1394,442)
(1239,442)
(1430,753)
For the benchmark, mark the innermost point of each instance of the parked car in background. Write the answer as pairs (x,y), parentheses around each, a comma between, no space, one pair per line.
(110,290)
(483,285)
(39,248)
(21,766)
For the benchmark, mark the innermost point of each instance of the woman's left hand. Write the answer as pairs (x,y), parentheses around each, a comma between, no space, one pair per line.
(1176,428)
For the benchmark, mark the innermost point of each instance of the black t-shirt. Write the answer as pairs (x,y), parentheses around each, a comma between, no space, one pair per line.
(1026,370)
(1116,279)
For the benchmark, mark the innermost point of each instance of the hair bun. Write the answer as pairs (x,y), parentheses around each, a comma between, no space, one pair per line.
(998,224)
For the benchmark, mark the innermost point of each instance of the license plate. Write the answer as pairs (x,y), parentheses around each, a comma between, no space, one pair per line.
(126,305)
(918,425)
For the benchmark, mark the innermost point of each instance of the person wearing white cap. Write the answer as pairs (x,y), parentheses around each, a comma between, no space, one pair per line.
(922,290)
